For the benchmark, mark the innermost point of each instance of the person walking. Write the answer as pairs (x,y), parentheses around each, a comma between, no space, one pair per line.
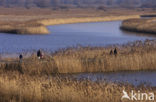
(20,63)
(20,57)
(115,52)
(39,54)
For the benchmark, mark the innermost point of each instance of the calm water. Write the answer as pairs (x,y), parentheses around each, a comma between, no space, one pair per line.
(68,35)
(134,78)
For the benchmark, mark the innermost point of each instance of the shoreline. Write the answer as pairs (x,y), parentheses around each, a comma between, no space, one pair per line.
(24,88)
(135,56)
(40,26)
(33,81)
(48,22)
(139,25)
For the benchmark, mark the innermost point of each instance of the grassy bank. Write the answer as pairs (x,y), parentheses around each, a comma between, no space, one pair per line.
(47,22)
(35,20)
(23,28)
(39,26)
(140,25)
(131,57)
(15,87)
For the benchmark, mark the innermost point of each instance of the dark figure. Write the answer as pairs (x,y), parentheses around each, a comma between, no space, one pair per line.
(39,54)
(111,52)
(20,56)
(115,52)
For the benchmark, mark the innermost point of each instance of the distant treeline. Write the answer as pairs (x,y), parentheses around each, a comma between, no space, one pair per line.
(78,3)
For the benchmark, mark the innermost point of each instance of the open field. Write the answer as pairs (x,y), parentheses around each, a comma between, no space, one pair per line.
(140,25)
(23,21)
(131,57)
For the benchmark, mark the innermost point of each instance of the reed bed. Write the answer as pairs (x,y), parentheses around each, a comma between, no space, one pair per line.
(15,87)
(47,22)
(31,80)
(140,25)
(39,26)
(131,57)
(35,20)
(25,27)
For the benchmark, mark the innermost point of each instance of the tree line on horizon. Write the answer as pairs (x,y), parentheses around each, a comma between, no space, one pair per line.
(78,3)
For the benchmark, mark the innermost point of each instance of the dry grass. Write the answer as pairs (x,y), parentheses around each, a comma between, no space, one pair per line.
(15,87)
(34,21)
(23,28)
(140,25)
(131,57)
(39,26)
(47,22)
(31,80)
(134,56)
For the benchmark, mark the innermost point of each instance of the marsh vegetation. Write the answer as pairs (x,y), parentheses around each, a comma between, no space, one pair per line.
(30,79)
(39,26)
(146,25)
(22,88)
(24,21)
(130,57)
